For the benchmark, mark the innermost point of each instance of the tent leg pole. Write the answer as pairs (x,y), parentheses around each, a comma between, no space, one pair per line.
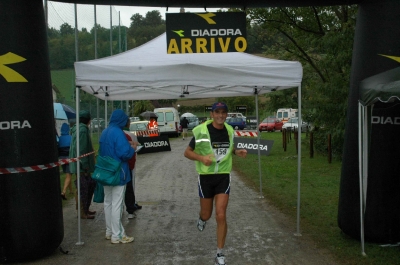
(78,175)
(98,119)
(258,144)
(361,161)
(298,161)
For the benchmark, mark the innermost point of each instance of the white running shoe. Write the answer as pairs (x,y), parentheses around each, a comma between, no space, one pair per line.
(201,224)
(220,259)
(131,216)
(108,237)
(124,239)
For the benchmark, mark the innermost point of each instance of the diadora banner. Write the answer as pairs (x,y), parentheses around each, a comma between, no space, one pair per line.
(251,145)
(206,32)
(154,144)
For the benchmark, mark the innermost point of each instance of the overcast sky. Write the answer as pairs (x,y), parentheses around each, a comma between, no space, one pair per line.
(128,11)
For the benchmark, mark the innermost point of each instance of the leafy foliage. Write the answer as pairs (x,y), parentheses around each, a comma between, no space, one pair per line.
(62,42)
(321,38)
(144,29)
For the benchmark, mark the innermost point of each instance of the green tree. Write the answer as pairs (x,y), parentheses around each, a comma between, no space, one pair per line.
(153,19)
(66,29)
(141,106)
(144,29)
(321,38)
(232,102)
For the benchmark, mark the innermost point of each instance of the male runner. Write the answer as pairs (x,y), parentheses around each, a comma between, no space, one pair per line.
(211,148)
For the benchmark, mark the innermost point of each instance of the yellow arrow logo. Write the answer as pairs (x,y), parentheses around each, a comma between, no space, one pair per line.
(396,58)
(9,74)
(207,17)
(179,32)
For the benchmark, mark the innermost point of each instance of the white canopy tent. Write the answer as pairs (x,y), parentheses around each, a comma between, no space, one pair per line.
(149,73)
(385,88)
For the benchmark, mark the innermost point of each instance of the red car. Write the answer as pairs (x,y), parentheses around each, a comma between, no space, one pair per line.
(270,125)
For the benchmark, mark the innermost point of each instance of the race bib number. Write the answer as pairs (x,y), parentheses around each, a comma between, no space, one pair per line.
(220,150)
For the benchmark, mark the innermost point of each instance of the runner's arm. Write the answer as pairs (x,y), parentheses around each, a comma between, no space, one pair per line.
(190,154)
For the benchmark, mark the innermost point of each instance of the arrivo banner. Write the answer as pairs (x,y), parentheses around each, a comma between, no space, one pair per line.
(206,32)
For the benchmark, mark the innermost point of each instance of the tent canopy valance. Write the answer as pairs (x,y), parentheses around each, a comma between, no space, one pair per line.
(148,72)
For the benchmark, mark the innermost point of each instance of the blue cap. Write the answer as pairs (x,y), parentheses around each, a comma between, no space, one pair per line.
(219,105)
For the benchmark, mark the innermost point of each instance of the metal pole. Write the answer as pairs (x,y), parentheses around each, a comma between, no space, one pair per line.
(76,34)
(111,52)
(105,109)
(119,32)
(95,34)
(258,143)
(78,166)
(98,119)
(46,13)
(298,160)
(126,41)
(362,155)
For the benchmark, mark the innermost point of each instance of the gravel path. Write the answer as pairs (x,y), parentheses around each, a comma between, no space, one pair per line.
(165,230)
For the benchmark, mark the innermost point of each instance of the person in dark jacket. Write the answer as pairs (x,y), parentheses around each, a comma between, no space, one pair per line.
(184,124)
(87,184)
(64,141)
(113,143)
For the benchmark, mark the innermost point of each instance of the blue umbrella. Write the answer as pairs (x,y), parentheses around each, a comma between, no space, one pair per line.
(69,111)
(63,112)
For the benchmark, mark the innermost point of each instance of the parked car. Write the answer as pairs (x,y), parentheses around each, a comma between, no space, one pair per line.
(270,125)
(137,127)
(236,123)
(293,123)
(97,123)
(132,119)
(236,115)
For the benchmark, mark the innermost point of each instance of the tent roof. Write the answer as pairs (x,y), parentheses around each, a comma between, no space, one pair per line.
(383,87)
(148,72)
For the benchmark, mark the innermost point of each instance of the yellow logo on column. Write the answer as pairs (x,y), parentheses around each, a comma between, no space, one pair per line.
(396,58)
(9,74)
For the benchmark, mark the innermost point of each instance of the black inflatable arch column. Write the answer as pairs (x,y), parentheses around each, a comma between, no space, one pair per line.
(377,34)
(31,221)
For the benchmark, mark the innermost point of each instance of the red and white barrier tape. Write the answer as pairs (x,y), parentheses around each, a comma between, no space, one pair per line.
(148,132)
(41,167)
(246,133)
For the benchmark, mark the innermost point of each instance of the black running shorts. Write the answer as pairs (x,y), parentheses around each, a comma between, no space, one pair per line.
(210,185)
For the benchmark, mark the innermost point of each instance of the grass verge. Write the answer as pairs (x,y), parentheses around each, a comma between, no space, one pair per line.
(319,198)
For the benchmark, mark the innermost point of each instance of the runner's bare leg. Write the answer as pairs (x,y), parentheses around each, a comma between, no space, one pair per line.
(221,204)
(206,207)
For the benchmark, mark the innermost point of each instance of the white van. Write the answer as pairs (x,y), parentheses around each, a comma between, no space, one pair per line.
(236,115)
(285,114)
(168,121)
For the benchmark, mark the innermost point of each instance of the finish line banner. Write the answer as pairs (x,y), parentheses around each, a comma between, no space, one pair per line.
(206,32)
